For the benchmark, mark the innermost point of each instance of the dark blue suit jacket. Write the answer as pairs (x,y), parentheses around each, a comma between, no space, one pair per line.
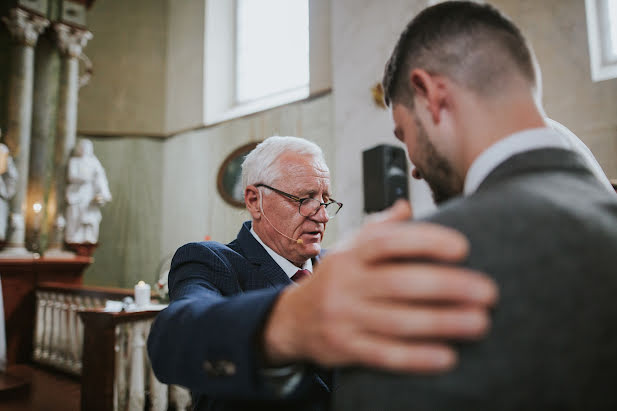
(207,339)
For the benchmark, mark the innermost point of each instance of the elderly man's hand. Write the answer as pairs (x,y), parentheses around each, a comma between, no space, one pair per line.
(369,303)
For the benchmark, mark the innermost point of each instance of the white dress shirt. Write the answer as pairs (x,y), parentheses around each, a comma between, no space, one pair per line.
(556,136)
(287,266)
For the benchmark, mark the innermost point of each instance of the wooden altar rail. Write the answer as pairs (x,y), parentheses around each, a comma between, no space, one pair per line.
(116,374)
(73,333)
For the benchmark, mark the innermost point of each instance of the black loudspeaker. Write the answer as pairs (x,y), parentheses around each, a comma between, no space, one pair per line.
(385,177)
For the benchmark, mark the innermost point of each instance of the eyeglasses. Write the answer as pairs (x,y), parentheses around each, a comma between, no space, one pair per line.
(308,207)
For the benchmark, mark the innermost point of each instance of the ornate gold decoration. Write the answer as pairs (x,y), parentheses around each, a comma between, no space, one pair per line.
(378,95)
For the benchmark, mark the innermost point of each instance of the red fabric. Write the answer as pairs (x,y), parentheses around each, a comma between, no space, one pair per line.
(300,275)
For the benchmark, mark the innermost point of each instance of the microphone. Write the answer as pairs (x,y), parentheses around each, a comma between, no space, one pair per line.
(298,241)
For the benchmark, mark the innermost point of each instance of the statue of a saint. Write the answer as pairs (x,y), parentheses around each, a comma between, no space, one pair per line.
(8,187)
(87,190)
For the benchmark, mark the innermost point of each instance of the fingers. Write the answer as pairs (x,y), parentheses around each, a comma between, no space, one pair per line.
(411,240)
(393,355)
(400,321)
(423,282)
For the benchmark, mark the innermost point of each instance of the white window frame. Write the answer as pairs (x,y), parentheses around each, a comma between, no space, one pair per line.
(220,65)
(603,62)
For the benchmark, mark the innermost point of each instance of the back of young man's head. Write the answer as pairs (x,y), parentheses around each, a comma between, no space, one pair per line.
(473,44)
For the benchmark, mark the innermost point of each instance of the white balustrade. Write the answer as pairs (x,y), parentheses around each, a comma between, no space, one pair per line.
(58,342)
(47,315)
(41,302)
(63,339)
(58,334)
(72,341)
(159,393)
(122,355)
(55,329)
(80,333)
(137,394)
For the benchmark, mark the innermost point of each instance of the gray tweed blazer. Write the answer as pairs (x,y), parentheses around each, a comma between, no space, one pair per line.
(546,230)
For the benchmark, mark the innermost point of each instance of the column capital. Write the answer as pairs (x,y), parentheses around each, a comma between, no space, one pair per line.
(71,40)
(24,26)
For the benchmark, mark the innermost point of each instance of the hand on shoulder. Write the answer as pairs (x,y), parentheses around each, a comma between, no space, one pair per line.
(376,301)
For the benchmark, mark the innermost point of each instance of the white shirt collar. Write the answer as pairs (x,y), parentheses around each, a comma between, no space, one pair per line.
(289,268)
(502,150)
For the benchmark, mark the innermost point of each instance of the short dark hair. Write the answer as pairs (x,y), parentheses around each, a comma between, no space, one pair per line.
(473,44)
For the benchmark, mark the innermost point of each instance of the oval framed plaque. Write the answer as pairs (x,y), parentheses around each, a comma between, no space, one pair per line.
(229,178)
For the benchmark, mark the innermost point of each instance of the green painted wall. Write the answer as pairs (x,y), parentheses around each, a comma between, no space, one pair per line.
(129,238)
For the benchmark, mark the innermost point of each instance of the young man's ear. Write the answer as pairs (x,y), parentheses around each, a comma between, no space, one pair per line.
(429,92)
(251,199)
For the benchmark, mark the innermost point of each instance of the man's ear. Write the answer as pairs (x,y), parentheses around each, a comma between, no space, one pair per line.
(251,199)
(429,92)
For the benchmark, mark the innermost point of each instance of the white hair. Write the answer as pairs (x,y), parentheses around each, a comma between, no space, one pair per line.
(260,165)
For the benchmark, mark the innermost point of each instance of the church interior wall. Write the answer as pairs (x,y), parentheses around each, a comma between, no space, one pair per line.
(363,35)
(130,231)
(164,189)
(127,93)
(557,30)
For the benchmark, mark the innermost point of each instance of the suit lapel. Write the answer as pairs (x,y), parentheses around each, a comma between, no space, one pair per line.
(267,271)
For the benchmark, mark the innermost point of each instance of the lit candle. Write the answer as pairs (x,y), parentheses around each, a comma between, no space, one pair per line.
(142,294)
(37,207)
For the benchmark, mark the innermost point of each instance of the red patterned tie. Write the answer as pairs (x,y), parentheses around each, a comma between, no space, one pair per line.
(300,275)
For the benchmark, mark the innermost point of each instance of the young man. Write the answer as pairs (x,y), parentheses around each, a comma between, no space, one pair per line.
(462,86)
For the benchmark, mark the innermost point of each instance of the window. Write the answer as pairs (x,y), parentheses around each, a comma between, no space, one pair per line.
(612,21)
(261,54)
(602,35)
(272,48)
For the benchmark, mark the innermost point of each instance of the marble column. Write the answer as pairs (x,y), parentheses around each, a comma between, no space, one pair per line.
(24,28)
(71,42)
(44,114)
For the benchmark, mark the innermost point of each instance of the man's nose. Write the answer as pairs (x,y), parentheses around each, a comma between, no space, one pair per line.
(321,215)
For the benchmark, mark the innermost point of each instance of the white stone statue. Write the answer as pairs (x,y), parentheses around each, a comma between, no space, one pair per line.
(8,187)
(87,190)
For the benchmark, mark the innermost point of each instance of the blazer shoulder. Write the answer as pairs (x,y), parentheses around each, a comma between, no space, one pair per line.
(204,250)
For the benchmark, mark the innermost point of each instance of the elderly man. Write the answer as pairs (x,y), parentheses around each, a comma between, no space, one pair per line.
(462,85)
(239,338)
